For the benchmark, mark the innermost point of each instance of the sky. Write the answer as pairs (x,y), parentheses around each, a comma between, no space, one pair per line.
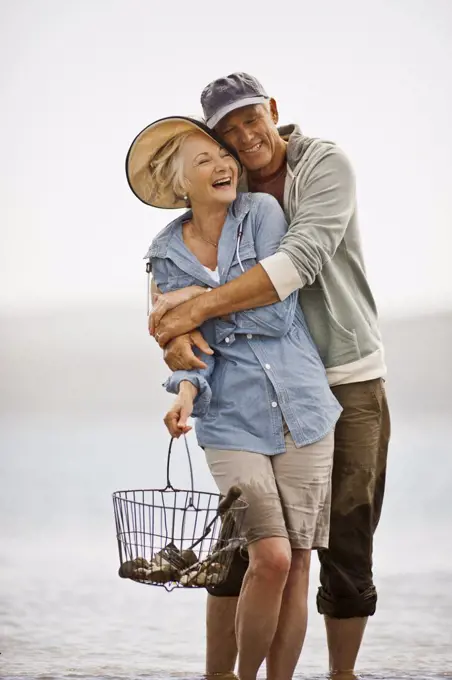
(81,79)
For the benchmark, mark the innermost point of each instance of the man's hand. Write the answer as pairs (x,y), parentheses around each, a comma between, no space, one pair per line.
(176,418)
(179,354)
(182,319)
(165,302)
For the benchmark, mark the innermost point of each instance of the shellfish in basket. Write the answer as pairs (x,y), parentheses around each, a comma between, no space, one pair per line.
(170,566)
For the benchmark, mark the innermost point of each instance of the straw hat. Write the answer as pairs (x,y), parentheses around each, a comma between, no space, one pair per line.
(146,145)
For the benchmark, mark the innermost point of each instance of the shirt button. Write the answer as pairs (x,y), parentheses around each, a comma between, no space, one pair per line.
(274,404)
(249,336)
(267,366)
(227,339)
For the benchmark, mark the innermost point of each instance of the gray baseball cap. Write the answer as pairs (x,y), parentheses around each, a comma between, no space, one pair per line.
(224,95)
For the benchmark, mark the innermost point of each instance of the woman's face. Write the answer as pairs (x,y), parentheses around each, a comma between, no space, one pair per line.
(210,172)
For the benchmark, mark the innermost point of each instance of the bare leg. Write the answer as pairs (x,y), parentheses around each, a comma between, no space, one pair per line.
(221,653)
(293,618)
(260,602)
(344,640)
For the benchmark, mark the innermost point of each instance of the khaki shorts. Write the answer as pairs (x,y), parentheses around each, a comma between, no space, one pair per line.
(288,494)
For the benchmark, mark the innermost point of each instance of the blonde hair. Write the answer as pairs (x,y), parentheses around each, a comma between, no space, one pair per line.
(167,170)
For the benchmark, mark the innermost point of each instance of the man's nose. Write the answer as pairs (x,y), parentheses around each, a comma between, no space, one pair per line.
(245,137)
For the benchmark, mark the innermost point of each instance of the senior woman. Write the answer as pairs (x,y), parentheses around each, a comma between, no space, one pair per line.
(265,415)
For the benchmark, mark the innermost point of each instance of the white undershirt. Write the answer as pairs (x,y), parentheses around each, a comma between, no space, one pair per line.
(215,274)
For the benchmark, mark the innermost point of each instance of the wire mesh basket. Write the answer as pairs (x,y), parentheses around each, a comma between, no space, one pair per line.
(177,538)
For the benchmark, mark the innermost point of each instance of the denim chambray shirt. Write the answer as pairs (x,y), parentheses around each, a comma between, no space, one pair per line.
(265,368)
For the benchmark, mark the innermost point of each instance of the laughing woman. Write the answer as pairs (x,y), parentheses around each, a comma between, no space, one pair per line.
(265,415)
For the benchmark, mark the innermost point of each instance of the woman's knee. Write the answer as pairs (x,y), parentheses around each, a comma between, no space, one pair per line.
(270,559)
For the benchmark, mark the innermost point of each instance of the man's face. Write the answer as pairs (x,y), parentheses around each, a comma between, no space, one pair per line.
(252,131)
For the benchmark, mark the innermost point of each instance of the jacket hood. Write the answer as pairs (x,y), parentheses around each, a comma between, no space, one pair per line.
(299,147)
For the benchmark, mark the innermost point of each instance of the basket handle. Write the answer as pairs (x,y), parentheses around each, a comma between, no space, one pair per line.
(232,495)
(168,462)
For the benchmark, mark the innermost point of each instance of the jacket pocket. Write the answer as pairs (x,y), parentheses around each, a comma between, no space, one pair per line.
(336,344)
(339,330)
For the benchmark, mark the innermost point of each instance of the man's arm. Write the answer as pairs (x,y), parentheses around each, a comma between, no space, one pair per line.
(318,226)
(252,289)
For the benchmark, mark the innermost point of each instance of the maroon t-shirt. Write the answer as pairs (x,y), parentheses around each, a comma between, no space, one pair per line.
(272,184)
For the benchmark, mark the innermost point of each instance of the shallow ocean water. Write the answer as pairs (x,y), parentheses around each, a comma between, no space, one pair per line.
(64,613)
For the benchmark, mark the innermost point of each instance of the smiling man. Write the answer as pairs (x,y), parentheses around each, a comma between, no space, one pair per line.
(321,257)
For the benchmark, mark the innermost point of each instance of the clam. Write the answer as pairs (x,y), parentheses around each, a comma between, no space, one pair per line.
(169,555)
(126,569)
(159,561)
(141,562)
(201,579)
(189,557)
(140,574)
(162,574)
(186,581)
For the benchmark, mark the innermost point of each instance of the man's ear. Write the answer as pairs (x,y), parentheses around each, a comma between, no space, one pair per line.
(274,111)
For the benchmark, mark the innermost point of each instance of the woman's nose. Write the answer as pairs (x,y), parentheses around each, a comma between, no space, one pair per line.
(222,164)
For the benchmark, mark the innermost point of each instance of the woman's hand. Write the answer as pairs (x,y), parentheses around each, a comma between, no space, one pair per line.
(164,302)
(179,354)
(176,418)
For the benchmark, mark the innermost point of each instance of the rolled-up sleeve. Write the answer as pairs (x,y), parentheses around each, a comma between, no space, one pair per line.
(202,399)
(282,273)
(200,379)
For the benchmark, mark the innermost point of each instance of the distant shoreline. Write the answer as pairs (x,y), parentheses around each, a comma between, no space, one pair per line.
(101,359)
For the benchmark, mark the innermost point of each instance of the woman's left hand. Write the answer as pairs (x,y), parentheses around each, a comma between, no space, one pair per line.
(176,418)
(164,302)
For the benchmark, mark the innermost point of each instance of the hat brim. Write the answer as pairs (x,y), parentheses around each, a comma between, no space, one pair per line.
(239,104)
(145,146)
